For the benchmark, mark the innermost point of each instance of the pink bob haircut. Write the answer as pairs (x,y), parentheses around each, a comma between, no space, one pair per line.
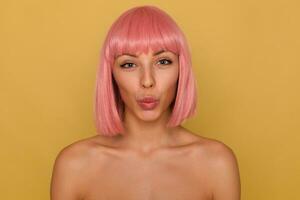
(137,30)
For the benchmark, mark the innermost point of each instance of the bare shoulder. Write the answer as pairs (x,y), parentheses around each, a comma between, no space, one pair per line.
(209,145)
(222,168)
(70,168)
(217,151)
(76,151)
(212,149)
(77,154)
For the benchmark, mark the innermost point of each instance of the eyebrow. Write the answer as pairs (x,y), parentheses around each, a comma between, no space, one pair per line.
(128,54)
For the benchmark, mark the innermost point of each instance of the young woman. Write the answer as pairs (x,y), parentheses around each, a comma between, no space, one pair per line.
(145,89)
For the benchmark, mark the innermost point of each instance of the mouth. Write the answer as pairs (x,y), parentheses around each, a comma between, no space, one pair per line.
(148,103)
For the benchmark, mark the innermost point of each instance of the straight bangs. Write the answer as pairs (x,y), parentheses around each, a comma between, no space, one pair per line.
(139,30)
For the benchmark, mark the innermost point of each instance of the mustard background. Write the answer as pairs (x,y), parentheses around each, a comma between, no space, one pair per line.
(245,56)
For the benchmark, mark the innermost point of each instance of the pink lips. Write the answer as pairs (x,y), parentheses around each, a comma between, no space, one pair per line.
(148,103)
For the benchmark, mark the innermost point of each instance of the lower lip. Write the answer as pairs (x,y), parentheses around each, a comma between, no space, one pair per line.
(148,105)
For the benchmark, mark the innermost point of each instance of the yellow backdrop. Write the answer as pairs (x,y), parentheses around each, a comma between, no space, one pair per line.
(246,59)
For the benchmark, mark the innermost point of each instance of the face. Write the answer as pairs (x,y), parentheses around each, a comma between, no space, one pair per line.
(153,74)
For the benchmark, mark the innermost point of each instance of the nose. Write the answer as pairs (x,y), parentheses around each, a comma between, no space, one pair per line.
(147,78)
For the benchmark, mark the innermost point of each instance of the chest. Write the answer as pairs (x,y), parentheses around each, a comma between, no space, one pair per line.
(176,178)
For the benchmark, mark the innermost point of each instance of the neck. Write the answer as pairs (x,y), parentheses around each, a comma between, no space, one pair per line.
(146,136)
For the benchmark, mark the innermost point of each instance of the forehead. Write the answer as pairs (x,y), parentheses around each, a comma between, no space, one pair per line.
(150,52)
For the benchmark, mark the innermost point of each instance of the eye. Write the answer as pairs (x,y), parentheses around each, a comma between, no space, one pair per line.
(165,61)
(129,64)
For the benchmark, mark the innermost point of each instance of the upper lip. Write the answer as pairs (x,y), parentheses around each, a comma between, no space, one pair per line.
(148,99)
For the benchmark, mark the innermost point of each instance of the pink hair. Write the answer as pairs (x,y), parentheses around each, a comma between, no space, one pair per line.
(137,30)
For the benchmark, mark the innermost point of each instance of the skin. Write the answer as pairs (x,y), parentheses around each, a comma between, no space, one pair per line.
(150,161)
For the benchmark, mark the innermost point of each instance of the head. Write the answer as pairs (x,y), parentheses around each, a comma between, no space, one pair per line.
(144,54)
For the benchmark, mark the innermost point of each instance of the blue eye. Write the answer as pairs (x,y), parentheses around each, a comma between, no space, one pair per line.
(168,61)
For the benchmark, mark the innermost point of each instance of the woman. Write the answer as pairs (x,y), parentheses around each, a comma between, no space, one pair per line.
(145,89)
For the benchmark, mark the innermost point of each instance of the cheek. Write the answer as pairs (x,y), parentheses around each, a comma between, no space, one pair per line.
(172,89)
(169,79)
(169,86)
(126,87)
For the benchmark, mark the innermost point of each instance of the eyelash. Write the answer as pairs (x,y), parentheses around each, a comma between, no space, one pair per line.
(122,66)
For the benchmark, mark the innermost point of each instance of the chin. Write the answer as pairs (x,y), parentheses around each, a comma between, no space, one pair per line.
(149,115)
